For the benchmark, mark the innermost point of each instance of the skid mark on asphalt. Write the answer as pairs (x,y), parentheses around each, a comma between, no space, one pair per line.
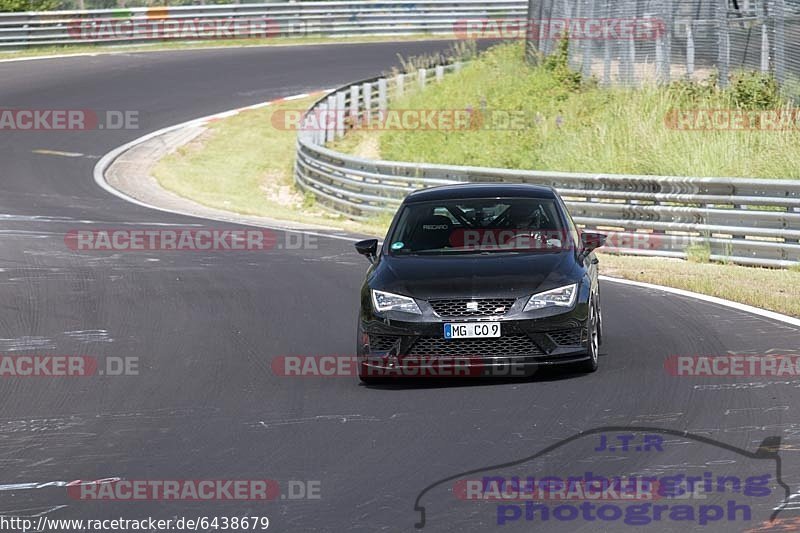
(757,409)
(89,335)
(66,422)
(657,418)
(31,343)
(26,343)
(342,419)
(36,511)
(339,259)
(40,424)
(746,385)
(9,217)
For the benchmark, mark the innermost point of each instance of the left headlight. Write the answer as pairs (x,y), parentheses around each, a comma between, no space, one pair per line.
(561,297)
(387,301)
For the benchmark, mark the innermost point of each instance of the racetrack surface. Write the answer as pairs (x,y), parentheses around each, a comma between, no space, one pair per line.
(205,327)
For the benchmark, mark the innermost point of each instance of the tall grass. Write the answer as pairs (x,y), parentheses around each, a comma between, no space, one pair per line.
(582,127)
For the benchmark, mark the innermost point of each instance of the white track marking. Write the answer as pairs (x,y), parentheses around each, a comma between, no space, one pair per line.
(710,299)
(57,152)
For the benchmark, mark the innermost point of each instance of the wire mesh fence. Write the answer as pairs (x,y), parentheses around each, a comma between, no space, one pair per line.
(634,41)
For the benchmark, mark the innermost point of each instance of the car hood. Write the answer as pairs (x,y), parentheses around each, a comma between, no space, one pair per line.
(489,275)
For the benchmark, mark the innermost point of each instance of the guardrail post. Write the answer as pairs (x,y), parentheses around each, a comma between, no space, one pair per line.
(341,111)
(330,120)
(421,73)
(366,90)
(355,116)
(439,72)
(382,97)
(321,124)
(399,84)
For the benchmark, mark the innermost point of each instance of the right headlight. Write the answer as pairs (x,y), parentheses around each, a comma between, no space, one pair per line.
(560,297)
(386,301)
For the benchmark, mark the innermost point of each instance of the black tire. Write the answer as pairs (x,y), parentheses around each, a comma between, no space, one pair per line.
(599,320)
(590,365)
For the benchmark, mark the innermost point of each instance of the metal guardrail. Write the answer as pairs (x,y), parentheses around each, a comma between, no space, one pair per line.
(274,19)
(744,221)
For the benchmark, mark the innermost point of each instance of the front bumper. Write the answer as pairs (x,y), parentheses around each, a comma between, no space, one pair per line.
(388,346)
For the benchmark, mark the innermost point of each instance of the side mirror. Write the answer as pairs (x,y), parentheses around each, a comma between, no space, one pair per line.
(591,241)
(368,248)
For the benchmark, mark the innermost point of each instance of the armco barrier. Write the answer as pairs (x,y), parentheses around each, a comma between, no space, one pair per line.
(745,221)
(275,19)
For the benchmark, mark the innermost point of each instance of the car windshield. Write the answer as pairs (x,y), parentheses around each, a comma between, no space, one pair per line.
(511,225)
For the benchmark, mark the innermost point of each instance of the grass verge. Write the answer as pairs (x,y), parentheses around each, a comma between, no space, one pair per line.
(776,290)
(243,164)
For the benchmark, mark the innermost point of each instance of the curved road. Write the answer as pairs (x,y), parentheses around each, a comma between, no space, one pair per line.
(206,326)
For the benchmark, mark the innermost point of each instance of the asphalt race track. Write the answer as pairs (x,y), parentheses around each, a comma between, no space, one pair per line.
(205,328)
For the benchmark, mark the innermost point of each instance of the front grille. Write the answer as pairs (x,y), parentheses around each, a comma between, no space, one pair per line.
(566,337)
(381,343)
(512,345)
(485,307)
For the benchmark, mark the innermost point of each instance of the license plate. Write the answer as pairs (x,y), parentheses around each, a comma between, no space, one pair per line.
(472,330)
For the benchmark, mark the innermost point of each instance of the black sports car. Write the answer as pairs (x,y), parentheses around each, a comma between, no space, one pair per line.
(479,279)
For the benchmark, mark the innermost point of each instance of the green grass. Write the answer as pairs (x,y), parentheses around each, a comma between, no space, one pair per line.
(698,253)
(243,164)
(591,129)
(776,290)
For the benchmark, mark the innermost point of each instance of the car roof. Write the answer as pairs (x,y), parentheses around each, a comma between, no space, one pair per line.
(481,190)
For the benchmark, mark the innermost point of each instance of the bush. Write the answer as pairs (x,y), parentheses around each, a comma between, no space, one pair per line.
(685,91)
(558,64)
(755,91)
